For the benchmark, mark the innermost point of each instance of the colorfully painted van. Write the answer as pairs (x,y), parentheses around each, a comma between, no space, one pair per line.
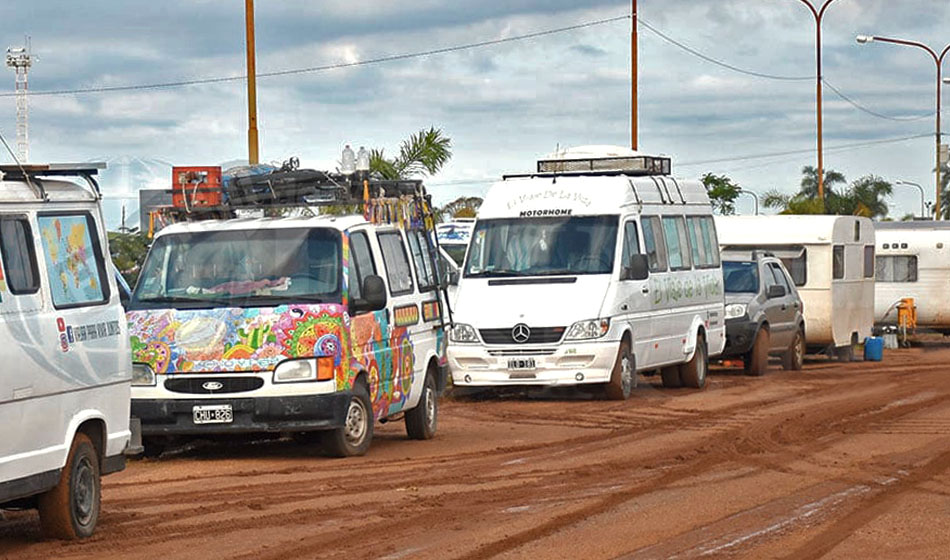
(65,365)
(596,267)
(306,326)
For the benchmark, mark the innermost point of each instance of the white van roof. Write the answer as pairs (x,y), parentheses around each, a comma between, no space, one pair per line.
(789,230)
(335,222)
(586,195)
(56,190)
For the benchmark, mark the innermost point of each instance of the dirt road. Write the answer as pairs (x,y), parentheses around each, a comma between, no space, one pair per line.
(837,461)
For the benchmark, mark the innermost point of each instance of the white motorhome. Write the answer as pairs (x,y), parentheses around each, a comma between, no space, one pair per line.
(595,267)
(64,382)
(830,259)
(913,261)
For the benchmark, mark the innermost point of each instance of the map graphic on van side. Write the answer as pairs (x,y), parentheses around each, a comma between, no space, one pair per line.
(70,259)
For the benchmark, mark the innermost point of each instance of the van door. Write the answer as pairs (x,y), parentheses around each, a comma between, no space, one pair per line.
(424,334)
(679,316)
(405,313)
(369,330)
(660,318)
(633,298)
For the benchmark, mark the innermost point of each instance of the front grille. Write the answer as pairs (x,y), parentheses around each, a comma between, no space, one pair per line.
(539,335)
(523,352)
(194,385)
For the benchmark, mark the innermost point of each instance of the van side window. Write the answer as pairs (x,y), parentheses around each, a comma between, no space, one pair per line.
(422,257)
(361,264)
(397,265)
(869,261)
(631,243)
(710,241)
(74,262)
(837,262)
(19,256)
(653,244)
(674,231)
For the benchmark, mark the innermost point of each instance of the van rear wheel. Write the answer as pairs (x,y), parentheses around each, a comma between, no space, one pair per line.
(356,433)
(693,372)
(423,420)
(757,360)
(71,509)
(623,377)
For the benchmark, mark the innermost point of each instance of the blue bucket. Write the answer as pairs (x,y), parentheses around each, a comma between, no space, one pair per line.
(873,349)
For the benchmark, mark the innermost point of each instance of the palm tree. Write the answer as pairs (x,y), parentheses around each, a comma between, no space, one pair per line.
(809,184)
(423,153)
(866,196)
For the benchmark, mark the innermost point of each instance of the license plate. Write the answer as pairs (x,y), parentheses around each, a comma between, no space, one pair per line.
(213,414)
(521,364)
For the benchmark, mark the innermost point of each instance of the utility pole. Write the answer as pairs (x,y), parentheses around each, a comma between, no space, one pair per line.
(21,59)
(252,146)
(634,47)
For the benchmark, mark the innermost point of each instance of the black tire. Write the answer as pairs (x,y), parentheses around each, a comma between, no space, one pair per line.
(423,420)
(671,377)
(794,358)
(71,509)
(757,360)
(354,436)
(623,377)
(693,373)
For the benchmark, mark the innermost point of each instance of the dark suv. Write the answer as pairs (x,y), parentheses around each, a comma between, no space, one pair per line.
(763,313)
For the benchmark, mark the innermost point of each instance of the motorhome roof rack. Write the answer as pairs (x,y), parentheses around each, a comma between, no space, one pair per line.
(32,172)
(625,165)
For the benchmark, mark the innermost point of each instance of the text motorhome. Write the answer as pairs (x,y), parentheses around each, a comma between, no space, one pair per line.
(64,383)
(586,277)
(831,261)
(316,326)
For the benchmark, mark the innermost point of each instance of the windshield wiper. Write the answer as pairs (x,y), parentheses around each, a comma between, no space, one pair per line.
(181,299)
(497,273)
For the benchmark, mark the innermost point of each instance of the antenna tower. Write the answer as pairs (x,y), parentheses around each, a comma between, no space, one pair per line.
(21,59)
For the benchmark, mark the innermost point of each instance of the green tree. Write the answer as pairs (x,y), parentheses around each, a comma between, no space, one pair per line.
(866,197)
(723,193)
(809,183)
(128,250)
(423,153)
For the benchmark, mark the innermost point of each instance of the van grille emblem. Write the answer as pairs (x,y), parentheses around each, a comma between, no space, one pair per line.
(211,385)
(521,333)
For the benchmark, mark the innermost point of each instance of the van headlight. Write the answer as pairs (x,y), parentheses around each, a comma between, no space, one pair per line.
(735,310)
(143,375)
(311,369)
(463,334)
(587,330)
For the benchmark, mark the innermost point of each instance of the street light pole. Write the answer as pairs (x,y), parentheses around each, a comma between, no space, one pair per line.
(819,14)
(938,60)
(635,86)
(921,189)
(754,196)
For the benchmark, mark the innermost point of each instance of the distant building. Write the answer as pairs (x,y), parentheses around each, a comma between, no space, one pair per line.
(150,199)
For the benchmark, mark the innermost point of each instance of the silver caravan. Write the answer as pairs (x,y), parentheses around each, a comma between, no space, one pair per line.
(831,260)
(913,261)
(65,365)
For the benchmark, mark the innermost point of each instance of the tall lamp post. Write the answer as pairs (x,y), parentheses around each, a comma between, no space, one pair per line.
(938,60)
(754,197)
(634,54)
(819,13)
(252,146)
(921,189)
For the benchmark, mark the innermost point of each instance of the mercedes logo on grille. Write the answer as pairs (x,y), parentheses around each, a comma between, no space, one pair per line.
(520,333)
(211,385)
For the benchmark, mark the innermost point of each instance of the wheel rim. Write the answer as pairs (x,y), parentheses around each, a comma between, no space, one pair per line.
(355,428)
(626,375)
(701,366)
(430,407)
(84,491)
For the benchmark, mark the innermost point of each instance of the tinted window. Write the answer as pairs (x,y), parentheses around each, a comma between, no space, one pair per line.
(422,257)
(780,278)
(740,277)
(696,243)
(710,240)
(793,257)
(897,268)
(869,261)
(74,264)
(361,263)
(397,266)
(631,243)
(837,262)
(653,244)
(19,256)
(677,246)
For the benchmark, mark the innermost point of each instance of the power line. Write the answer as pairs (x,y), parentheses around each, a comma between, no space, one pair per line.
(862,108)
(337,66)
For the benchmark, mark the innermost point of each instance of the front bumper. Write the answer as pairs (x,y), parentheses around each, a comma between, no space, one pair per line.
(477,365)
(251,415)
(740,336)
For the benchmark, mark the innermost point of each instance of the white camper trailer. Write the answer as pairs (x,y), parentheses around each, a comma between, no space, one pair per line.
(831,260)
(66,366)
(587,271)
(913,261)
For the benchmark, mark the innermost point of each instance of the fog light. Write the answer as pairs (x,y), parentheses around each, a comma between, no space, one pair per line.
(579,376)
(468,378)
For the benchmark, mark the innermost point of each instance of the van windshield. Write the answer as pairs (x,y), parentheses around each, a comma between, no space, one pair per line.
(740,277)
(241,268)
(542,247)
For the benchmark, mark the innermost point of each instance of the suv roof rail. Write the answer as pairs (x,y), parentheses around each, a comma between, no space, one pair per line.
(31,173)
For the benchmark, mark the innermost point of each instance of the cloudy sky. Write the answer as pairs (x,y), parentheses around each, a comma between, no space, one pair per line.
(502,105)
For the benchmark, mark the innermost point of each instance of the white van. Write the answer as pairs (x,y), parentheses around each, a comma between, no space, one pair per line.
(913,261)
(454,237)
(830,259)
(586,272)
(64,382)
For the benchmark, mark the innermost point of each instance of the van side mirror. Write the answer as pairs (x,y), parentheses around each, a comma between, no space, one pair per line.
(454,278)
(775,291)
(374,293)
(637,269)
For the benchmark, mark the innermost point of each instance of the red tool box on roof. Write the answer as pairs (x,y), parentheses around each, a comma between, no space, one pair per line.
(196,187)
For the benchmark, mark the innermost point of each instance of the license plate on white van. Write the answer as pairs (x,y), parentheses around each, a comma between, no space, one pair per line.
(522,364)
(213,414)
